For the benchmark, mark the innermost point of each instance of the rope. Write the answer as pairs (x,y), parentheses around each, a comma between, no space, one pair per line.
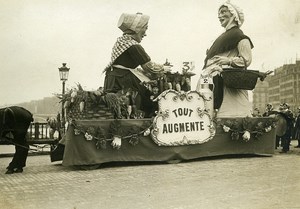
(16,144)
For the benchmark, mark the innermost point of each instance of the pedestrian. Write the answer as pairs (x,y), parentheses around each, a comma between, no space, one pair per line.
(288,116)
(269,110)
(52,124)
(296,132)
(128,54)
(231,48)
(14,125)
(256,113)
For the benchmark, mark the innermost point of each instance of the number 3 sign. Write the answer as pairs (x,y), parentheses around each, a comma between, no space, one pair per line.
(186,66)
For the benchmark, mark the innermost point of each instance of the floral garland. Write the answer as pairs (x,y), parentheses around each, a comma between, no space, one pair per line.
(116,133)
(246,130)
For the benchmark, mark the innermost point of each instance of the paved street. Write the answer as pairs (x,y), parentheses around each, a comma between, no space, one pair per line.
(210,183)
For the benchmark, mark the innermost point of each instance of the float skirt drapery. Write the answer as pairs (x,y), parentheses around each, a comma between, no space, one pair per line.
(79,151)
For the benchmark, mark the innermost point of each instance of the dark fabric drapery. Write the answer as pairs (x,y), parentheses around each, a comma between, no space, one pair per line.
(79,151)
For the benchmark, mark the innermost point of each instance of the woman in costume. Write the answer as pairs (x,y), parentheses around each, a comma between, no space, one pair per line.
(232,48)
(127,54)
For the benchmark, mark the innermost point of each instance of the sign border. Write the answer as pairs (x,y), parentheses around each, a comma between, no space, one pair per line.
(165,114)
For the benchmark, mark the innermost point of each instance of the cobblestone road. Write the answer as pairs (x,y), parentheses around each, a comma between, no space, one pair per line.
(210,183)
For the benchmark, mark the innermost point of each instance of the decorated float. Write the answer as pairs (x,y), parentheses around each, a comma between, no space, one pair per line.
(104,127)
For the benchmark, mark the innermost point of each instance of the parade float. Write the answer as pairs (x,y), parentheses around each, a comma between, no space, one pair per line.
(105,127)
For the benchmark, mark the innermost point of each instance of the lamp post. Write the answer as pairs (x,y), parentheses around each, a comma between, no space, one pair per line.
(63,74)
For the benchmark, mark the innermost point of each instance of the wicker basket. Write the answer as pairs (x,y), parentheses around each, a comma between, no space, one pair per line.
(240,78)
(91,111)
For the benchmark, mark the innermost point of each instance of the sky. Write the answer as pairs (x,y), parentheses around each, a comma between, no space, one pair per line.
(37,36)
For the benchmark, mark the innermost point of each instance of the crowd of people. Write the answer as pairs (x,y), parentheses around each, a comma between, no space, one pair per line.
(288,124)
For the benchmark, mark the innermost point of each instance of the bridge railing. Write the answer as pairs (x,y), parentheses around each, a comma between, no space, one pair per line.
(40,133)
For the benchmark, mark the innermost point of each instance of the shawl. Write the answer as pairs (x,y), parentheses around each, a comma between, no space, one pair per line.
(226,41)
(121,45)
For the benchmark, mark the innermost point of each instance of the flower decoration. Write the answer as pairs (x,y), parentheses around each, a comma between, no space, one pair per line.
(147,132)
(212,130)
(91,130)
(246,136)
(235,135)
(101,143)
(271,123)
(134,140)
(116,132)
(100,138)
(77,131)
(247,123)
(116,142)
(268,129)
(88,137)
(247,129)
(226,128)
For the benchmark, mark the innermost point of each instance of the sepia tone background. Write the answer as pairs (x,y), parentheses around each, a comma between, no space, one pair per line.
(37,36)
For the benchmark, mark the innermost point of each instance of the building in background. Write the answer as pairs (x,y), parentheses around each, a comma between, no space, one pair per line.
(260,95)
(282,86)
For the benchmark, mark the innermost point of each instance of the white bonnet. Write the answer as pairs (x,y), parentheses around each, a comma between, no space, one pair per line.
(235,11)
(133,22)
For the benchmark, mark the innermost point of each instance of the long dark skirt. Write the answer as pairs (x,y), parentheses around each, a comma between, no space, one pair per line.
(120,79)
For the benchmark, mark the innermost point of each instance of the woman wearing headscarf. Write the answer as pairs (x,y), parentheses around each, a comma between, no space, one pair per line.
(127,55)
(231,48)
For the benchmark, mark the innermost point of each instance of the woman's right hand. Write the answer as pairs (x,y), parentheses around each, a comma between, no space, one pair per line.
(221,60)
(155,68)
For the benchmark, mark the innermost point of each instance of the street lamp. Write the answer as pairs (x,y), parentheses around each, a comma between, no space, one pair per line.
(63,74)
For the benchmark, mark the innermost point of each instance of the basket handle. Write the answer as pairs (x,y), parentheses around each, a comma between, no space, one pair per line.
(261,75)
(245,63)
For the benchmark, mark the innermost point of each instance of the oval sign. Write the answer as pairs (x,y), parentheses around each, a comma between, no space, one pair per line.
(183,119)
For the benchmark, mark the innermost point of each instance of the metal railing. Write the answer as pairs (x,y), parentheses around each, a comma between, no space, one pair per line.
(40,133)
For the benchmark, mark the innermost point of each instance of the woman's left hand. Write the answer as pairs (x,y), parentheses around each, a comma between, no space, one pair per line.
(212,70)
